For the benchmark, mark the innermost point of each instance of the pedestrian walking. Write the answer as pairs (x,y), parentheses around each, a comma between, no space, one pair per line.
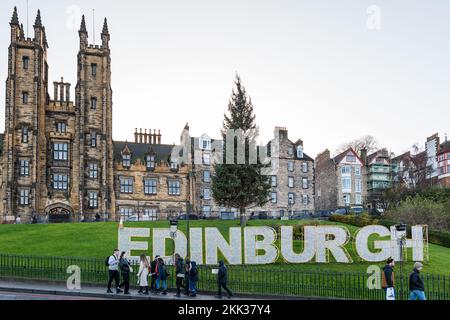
(222,279)
(144,267)
(193,279)
(154,273)
(163,274)
(125,269)
(18,220)
(180,272)
(187,265)
(113,270)
(416,286)
(387,279)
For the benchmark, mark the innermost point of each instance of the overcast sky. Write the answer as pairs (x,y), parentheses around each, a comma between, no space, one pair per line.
(330,71)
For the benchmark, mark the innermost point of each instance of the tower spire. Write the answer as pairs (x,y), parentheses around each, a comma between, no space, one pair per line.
(105,27)
(83,24)
(22,33)
(38,22)
(15,17)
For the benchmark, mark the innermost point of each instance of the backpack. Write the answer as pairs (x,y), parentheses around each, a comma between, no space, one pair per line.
(183,266)
(107,261)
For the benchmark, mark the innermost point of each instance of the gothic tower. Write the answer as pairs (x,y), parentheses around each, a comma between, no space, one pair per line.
(24,150)
(94,120)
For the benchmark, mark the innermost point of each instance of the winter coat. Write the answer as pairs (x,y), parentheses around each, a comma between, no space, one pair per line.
(142,275)
(387,277)
(124,265)
(162,272)
(193,272)
(222,275)
(415,281)
(179,267)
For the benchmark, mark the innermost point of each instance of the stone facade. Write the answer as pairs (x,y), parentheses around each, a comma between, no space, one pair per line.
(49,143)
(340,181)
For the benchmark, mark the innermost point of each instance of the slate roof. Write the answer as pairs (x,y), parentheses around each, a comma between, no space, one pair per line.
(140,150)
(342,155)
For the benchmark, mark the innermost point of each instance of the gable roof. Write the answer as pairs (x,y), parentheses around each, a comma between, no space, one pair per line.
(339,157)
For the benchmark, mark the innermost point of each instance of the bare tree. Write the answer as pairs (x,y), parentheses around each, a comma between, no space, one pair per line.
(368,142)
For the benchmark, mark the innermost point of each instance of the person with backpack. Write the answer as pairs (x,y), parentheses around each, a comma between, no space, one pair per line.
(180,271)
(222,277)
(154,273)
(186,276)
(387,279)
(125,268)
(193,278)
(113,265)
(416,286)
(163,274)
(144,267)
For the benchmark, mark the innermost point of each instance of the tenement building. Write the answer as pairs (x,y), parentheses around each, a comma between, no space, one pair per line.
(340,181)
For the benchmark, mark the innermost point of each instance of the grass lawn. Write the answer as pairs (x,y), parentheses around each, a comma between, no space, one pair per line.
(96,240)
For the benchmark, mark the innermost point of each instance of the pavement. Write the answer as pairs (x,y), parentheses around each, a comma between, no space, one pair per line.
(25,290)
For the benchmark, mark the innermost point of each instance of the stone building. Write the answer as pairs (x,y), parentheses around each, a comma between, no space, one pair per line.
(292,177)
(340,181)
(443,158)
(51,146)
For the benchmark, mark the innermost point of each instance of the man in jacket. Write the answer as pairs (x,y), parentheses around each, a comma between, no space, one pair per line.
(416,286)
(180,273)
(154,273)
(222,280)
(193,278)
(387,276)
(186,276)
(113,271)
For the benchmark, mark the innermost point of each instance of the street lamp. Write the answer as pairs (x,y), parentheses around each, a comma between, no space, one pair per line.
(400,235)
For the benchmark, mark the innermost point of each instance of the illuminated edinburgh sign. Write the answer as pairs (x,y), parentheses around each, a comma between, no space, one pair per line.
(259,245)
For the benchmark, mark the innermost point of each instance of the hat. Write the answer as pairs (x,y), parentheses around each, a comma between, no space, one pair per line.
(418,266)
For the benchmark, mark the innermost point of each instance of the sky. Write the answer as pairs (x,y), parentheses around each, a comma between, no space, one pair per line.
(329,71)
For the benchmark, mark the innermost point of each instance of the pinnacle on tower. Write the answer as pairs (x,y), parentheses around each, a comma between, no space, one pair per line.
(105,27)
(38,22)
(83,24)
(15,17)
(22,33)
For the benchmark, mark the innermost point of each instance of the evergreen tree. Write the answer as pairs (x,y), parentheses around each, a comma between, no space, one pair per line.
(239,182)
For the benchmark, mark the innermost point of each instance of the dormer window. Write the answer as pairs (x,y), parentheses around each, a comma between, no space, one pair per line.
(299,151)
(150,162)
(205,142)
(126,160)
(174,164)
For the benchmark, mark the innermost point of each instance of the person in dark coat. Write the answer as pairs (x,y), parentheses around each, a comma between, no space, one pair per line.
(416,286)
(186,276)
(154,273)
(180,272)
(387,276)
(161,281)
(193,278)
(125,269)
(222,277)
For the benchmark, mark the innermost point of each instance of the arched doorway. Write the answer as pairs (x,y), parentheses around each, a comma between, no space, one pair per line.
(59,213)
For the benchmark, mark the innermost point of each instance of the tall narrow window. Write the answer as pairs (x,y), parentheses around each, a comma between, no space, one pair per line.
(61,127)
(24,197)
(25,61)
(291,198)
(93,103)
(24,167)
(93,139)
(25,97)
(305,167)
(150,160)
(206,194)
(291,182)
(93,199)
(24,134)
(206,158)
(273,197)
(290,166)
(305,183)
(94,69)
(273,181)
(93,170)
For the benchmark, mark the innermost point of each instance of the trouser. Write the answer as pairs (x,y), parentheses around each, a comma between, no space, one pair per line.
(417,295)
(153,282)
(186,285)
(161,284)
(179,284)
(193,286)
(224,285)
(125,281)
(113,275)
